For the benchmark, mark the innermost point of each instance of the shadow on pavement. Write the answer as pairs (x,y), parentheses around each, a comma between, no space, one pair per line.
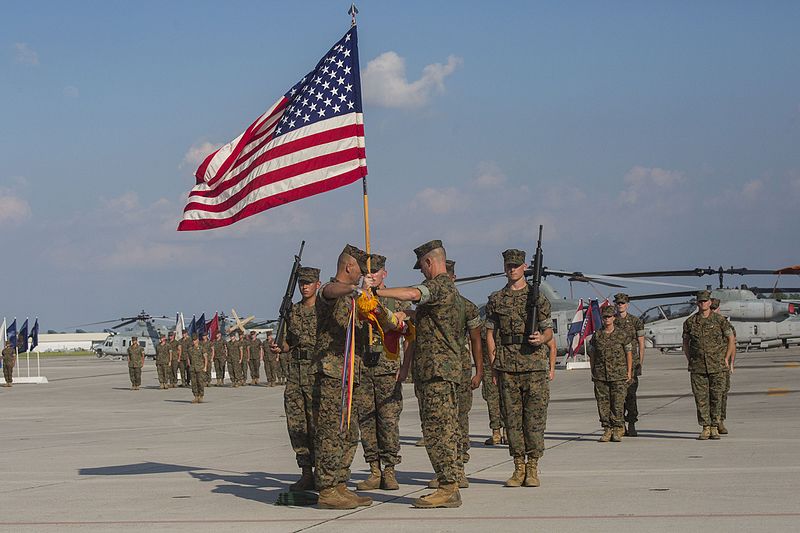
(135,469)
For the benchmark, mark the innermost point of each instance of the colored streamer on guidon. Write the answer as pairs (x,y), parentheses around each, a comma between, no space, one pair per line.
(348,368)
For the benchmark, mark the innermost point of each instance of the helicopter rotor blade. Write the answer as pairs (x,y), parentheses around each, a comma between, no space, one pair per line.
(665,295)
(131,321)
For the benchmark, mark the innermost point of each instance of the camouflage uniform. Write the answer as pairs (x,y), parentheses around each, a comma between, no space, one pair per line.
(609,373)
(162,364)
(301,336)
(255,359)
(284,362)
(197,357)
(437,373)
(469,318)
(523,369)
(708,343)
(489,389)
(234,368)
(635,329)
(334,450)
(206,345)
(135,354)
(185,343)
(245,344)
(270,363)
(173,354)
(8,364)
(380,400)
(723,415)
(219,359)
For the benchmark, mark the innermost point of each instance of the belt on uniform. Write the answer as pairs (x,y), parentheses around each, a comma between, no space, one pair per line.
(302,355)
(505,340)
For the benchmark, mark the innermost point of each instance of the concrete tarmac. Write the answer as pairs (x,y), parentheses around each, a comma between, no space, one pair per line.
(86,453)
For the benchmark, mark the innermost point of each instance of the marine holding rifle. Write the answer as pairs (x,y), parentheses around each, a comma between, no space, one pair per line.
(519,355)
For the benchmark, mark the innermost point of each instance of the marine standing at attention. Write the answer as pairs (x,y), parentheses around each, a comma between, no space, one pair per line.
(728,371)
(635,328)
(174,358)
(380,400)
(234,349)
(205,344)
(709,344)
(256,356)
(9,359)
(245,362)
(334,450)
(219,357)
(135,363)
(437,367)
(612,367)
(197,357)
(162,362)
(521,366)
(491,394)
(183,349)
(300,341)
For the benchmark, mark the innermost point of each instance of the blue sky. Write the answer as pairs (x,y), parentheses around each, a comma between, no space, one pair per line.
(643,136)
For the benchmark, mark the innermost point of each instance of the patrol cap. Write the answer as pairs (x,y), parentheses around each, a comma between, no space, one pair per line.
(307,274)
(714,303)
(194,336)
(512,256)
(376,262)
(422,251)
(357,254)
(451,267)
(607,311)
(134,338)
(703,296)
(621,298)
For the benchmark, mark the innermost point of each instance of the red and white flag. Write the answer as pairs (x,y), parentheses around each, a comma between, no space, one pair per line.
(310,141)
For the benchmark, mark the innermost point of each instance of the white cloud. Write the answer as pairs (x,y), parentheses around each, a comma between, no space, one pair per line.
(489,176)
(385,82)
(13,209)
(440,201)
(25,55)
(752,188)
(197,153)
(70,91)
(641,180)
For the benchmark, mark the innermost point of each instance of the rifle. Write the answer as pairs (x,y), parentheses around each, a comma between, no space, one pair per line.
(533,304)
(286,303)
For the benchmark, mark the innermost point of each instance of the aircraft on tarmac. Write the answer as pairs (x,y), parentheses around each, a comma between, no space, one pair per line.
(759,322)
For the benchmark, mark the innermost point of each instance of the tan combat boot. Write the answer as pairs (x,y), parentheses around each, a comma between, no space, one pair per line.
(374,480)
(714,433)
(306,481)
(388,479)
(196,398)
(721,428)
(494,440)
(531,472)
(360,501)
(705,434)
(200,399)
(446,495)
(616,434)
(606,435)
(518,477)
(420,442)
(331,498)
(433,483)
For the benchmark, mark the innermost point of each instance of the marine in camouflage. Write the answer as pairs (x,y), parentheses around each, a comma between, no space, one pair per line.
(197,358)
(298,396)
(470,319)
(608,355)
(135,355)
(523,369)
(162,363)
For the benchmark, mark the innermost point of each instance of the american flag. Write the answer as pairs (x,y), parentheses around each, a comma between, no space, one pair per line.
(310,141)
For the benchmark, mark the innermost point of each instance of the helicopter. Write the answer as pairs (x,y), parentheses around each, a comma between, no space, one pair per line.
(759,322)
(143,326)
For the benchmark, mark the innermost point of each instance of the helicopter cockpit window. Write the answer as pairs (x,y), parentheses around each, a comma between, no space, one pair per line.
(555,326)
(142,343)
(672,311)
(123,343)
(651,315)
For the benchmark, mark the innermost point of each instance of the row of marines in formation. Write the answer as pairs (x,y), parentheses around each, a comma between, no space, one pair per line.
(189,361)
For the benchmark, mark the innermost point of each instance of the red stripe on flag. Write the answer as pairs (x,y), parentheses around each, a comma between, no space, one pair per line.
(276,200)
(280,174)
(243,142)
(309,141)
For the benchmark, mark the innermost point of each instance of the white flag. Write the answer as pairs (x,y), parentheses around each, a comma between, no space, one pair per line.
(179,326)
(5,337)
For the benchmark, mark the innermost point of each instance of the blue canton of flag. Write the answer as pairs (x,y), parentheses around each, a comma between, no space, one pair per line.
(328,90)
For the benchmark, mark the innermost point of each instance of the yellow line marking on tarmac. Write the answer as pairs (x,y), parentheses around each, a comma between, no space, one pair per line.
(792,365)
(777,392)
